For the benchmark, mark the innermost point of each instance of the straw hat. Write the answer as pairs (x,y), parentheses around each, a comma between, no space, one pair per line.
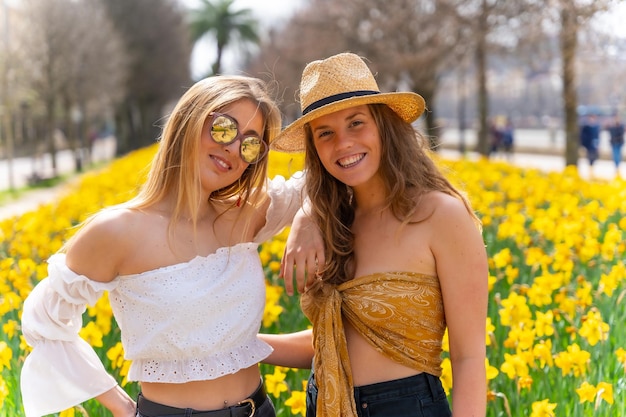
(337,83)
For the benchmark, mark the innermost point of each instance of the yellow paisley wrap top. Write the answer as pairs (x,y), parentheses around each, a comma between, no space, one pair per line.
(399,313)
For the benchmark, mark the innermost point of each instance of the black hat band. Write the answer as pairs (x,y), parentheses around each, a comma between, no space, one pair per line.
(336,97)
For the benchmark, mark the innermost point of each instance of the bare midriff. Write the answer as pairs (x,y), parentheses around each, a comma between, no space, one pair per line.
(368,365)
(207,395)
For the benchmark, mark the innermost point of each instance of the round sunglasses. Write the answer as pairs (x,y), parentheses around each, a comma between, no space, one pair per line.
(225,130)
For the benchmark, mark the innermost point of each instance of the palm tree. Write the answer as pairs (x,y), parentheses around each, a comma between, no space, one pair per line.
(217,17)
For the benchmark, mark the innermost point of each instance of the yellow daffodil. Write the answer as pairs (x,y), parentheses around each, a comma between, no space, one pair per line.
(543,408)
(275,383)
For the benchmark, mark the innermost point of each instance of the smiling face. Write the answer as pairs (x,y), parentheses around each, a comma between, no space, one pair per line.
(221,165)
(348,144)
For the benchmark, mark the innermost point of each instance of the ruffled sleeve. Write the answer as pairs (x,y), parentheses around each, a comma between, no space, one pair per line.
(62,370)
(286,197)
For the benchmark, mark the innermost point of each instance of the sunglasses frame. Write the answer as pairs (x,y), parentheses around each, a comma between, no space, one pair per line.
(239,136)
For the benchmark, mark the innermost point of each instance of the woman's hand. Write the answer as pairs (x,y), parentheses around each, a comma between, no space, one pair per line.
(118,402)
(304,253)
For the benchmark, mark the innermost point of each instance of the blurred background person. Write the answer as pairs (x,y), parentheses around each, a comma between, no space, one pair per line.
(616,137)
(590,137)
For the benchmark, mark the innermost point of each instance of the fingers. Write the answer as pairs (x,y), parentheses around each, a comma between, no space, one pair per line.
(286,272)
(304,254)
(305,273)
(297,267)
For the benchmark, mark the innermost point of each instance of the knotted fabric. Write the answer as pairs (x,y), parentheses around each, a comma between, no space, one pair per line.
(399,313)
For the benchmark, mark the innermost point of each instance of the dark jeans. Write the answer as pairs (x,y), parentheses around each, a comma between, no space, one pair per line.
(616,148)
(592,152)
(421,395)
(265,409)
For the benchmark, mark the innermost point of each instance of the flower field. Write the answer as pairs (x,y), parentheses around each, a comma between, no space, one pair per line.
(556,337)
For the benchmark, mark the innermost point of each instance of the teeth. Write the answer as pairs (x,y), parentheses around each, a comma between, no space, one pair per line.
(222,163)
(350,160)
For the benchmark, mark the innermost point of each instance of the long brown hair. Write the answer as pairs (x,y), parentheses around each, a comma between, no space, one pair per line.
(407,172)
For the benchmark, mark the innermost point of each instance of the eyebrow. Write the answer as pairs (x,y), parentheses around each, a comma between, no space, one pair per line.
(249,131)
(347,118)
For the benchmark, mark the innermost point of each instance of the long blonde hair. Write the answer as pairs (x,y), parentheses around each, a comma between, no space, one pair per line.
(175,169)
(407,172)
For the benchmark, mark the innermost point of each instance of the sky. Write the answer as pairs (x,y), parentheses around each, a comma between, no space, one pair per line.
(616,19)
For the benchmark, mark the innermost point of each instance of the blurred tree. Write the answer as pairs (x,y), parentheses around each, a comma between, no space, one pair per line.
(72,59)
(483,27)
(572,16)
(63,55)
(565,19)
(6,95)
(97,76)
(306,37)
(407,43)
(48,40)
(411,44)
(414,44)
(217,18)
(158,51)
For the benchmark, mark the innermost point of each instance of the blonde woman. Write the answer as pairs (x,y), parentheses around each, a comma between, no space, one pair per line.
(181,266)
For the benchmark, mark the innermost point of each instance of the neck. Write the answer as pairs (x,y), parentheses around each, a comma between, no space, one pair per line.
(370,199)
(205,211)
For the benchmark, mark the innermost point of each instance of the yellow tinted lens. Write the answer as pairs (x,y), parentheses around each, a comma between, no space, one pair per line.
(223,130)
(252,148)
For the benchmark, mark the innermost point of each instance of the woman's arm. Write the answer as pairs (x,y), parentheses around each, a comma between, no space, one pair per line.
(304,251)
(287,205)
(285,197)
(461,262)
(118,402)
(63,370)
(293,350)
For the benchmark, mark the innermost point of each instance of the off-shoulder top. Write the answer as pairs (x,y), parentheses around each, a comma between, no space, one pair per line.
(196,320)
(399,313)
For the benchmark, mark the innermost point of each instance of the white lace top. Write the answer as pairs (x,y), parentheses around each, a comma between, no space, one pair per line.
(196,320)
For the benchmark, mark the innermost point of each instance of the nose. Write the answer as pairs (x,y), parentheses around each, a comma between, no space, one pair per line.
(343,140)
(233,147)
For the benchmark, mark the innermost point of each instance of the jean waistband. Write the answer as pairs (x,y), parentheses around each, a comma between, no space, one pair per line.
(423,382)
(245,408)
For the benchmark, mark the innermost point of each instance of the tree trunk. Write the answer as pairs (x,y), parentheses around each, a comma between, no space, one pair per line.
(482,143)
(50,129)
(123,129)
(431,129)
(151,122)
(570,100)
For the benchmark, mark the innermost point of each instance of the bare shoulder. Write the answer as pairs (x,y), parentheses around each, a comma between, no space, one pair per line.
(99,246)
(452,225)
(441,206)
(110,224)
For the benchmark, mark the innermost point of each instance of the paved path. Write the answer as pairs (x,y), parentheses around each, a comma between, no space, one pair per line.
(602,169)
(30,201)
(22,168)
(538,148)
